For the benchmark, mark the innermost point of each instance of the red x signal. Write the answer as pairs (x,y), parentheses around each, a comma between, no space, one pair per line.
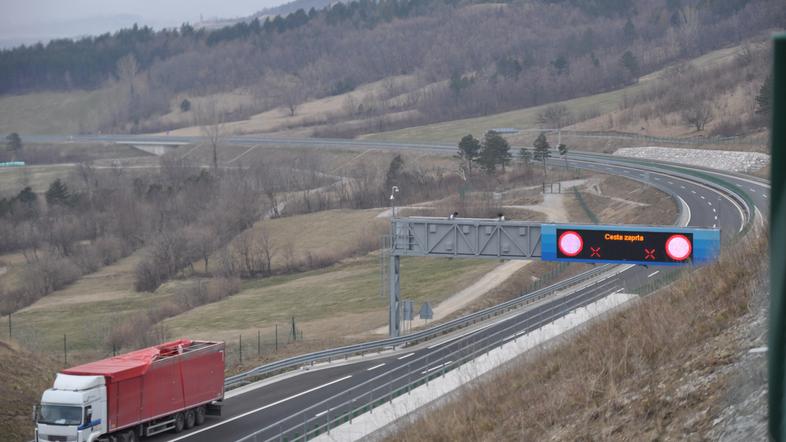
(595,252)
(649,254)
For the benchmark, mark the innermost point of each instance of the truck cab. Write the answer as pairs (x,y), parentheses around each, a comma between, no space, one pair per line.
(73,410)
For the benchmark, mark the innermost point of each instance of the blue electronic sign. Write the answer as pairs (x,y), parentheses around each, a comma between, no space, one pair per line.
(629,244)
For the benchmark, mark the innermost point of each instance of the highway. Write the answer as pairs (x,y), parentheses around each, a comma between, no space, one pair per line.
(276,408)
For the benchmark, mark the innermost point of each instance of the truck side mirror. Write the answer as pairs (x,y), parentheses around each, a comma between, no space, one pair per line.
(88,415)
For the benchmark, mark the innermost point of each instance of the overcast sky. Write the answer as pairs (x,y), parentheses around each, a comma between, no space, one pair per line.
(26,19)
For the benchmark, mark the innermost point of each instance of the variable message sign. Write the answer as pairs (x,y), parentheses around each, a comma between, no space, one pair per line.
(629,244)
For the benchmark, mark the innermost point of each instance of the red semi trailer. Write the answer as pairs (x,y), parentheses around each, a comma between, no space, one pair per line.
(171,386)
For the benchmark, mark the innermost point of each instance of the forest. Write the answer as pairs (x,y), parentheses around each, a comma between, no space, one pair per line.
(460,58)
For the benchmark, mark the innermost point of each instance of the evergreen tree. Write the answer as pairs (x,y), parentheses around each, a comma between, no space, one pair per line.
(57,194)
(542,152)
(468,150)
(495,151)
(395,171)
(14,144)
(563,152)
(27,196)
(185,105)
(525,156)
(764,99)
(631,64)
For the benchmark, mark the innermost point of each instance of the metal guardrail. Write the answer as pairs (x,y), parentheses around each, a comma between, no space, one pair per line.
(424,335)
(295,427)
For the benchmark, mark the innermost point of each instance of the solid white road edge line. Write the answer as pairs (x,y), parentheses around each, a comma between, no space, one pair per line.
(239,416)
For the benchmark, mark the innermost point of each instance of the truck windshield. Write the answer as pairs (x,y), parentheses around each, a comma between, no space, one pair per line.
(60,414)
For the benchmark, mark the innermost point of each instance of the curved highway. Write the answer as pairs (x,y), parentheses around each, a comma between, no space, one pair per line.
(273,407)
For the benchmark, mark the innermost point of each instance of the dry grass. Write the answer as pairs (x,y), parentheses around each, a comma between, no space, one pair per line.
(604,104)
(621,378)
(51,112)
(25,376)
(318,236)
(620,200)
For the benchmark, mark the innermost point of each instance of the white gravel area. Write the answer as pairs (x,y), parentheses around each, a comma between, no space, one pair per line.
(732,161)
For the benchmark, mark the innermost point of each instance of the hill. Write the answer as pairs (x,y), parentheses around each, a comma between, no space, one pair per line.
(528,54)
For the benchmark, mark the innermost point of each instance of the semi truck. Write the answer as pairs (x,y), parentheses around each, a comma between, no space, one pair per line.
(167,387)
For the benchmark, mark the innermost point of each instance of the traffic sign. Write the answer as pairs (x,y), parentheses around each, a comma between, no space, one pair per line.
(629,244)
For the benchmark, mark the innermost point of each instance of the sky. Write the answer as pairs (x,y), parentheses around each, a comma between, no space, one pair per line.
(42,19)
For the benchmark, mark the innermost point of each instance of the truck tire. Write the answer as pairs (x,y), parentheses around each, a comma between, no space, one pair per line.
(200,415)
(179,423)
(190,419)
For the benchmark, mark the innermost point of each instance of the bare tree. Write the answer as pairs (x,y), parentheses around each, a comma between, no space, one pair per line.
(291,91)
(554,117)
(211,123)
(698,115)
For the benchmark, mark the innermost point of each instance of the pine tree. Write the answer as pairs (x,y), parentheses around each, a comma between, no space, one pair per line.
(57,194)
(542,152)
(14,144)
(468,150)
(495,150)
(631,64)
(764,99)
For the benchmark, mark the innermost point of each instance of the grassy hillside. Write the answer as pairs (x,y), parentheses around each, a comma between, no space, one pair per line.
(597,107)
(25,377)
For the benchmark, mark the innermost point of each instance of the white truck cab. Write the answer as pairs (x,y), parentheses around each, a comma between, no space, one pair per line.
(74,410)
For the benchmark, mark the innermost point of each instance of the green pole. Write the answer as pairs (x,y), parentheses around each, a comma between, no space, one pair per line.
(777,242)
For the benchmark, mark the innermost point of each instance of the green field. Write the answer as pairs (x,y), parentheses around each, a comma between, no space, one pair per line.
(328,297)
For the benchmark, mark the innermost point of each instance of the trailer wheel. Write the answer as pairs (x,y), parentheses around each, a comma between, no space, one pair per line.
(128,436)
(179,422)
(190,418)
(200,415)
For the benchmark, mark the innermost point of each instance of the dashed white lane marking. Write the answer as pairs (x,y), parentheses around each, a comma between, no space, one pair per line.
(405,356)
(709,202)
(682,187)
(738,184)
(321,413)
(436,368)
(671,182)
(702,197)
(764,196)
(375,367)
(653,273)
(693,191)
(462,335)
(715,210)
(714,226)
(752,190)
(239,416)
